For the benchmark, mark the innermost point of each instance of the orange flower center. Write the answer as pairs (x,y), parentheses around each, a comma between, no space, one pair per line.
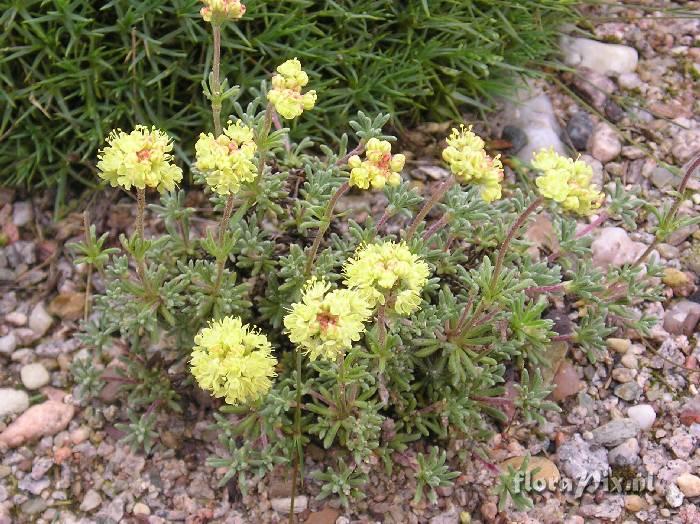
(384,162)
(144,154)
(326,320)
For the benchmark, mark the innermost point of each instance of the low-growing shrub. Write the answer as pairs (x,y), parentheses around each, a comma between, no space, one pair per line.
(305,328)
(72,69)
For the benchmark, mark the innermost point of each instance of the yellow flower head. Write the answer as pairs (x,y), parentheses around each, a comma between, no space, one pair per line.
(379,168)
(326,323)
(141,159)
(227,160)
(566,181)
(388,273)
(233,361)
(286,94)
(220,11)
(469,163)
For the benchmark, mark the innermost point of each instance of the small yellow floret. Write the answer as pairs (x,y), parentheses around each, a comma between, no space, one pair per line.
(286,93)
(388,273)
(227,161)
(233,361)
(567,182)
(378,169)
(141,159)
(220,11)
(470,164)
(326,323)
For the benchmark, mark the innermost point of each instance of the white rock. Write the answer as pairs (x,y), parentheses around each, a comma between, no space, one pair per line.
(8,343)
(604,143)
(686,144)
(47,418)
(282,504)
(34,376)
(674,496)
(534,114)
(689,484)
(22,213)
(613,246)
(91,501)
(642,414)
(629,81)
(13,401)
(39,320)
(16,318)
(141,509)
(603,58)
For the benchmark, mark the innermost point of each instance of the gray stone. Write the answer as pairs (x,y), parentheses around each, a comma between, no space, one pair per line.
(604,143)
(33,506)
(682,318)
(39,320)
(8,343)
(600,57)
(615,432)
(516,136)
(282,504)
(91,501)
(577,459)
(534,114)
(629,391)
(674,496)
(663,178)
(450,516)
(13,401)
(579,129)
(34,376)
(686,144)
(594,87)
(22,213)
(626,454)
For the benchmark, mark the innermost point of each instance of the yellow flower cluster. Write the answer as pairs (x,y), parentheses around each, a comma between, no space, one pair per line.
(567,182)
(388,273)
(286,94)
(326,323)
(227,160)
(233,361)
(379,168)
(141,159)
(220,11)
(470,164)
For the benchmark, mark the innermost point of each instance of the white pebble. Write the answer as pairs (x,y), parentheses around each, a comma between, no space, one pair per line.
(34,376)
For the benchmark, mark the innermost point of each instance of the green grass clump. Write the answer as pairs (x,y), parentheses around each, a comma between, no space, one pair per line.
(71,70)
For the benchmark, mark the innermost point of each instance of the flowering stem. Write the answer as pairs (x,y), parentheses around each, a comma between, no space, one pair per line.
(429,204)
(602,217)
(221,262)
(357,151)
(694,164)
(341,386)
(278,126)
(88,283)
(325,224)
(262,139)
(381,324)
(140,209)
(216,80)
(555,288)
(509,237)
(439,224)
(382,220)
(298,452)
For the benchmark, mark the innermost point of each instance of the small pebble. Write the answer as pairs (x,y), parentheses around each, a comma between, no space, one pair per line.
(13,401)
(34,376)
(643,414)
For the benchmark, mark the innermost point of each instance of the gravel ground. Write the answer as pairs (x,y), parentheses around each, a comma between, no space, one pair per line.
(634,413)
